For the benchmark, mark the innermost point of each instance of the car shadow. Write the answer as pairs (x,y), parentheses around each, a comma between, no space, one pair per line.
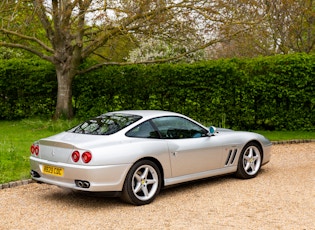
(197,184)
(82,199)
(211,180)
(93,200)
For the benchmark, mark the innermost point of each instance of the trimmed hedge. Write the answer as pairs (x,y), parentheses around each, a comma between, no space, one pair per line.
(267,93)
(284,92)
(264,93)
(27,88)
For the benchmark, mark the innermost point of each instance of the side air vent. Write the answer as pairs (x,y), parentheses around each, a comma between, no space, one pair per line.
(231,157)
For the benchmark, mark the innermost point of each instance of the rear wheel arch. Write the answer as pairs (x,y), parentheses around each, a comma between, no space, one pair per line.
(158,164)
(143,181)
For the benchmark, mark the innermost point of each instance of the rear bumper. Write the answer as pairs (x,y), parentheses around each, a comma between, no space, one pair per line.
(107,178)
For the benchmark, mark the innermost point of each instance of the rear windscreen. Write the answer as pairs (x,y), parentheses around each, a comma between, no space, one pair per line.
(105,124)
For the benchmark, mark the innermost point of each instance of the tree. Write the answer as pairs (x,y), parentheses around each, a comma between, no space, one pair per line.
(288,27)
(67,32)
(292,23)
(155,49)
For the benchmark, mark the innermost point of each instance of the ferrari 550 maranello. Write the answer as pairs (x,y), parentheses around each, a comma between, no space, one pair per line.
(136,153)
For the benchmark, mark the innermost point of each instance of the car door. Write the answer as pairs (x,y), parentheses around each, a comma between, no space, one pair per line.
(194,155)
(191,149)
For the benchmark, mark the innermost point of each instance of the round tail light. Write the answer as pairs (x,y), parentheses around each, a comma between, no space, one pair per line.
(32,149)
(75,156)
(86,157)
(35,149)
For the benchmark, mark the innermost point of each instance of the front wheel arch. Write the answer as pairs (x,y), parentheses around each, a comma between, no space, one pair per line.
(250,160)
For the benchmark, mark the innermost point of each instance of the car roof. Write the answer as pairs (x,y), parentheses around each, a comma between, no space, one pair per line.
(147,114)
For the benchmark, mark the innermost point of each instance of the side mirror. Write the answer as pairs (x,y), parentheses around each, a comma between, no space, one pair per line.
(212,130)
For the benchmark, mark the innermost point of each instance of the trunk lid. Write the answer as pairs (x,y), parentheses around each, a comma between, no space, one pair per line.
(59,148)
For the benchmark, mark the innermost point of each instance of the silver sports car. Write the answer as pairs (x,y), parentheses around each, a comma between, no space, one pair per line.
(136,153)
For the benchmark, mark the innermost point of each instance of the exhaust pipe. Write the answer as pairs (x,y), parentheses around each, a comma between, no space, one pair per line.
(82,183)
(34,174)
(86,184)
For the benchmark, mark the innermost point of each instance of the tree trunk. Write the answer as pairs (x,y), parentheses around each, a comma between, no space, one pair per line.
(64,107)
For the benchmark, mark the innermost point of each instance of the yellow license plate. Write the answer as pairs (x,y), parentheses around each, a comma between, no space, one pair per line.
(52,170)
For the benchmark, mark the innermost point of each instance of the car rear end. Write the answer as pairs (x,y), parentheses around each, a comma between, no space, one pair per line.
(66,165)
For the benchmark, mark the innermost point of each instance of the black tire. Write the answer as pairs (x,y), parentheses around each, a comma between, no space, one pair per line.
(250,160)
(142,183)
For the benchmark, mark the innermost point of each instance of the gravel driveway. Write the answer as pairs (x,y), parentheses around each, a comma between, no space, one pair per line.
(282,196)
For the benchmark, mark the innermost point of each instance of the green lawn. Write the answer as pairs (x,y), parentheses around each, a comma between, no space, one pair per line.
(287,135)
(16,137)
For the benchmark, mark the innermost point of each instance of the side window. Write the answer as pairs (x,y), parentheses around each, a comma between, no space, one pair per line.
(177,128)
(144,130)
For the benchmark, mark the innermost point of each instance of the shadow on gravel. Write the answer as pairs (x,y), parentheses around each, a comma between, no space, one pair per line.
(82,199)
(89,200)
(206,182)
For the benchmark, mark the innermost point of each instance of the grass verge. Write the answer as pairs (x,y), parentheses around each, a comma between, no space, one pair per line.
(288,135)
(16,137)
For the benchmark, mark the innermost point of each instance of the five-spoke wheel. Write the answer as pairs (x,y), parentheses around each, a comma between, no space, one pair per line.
(250,161)
(142,184)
